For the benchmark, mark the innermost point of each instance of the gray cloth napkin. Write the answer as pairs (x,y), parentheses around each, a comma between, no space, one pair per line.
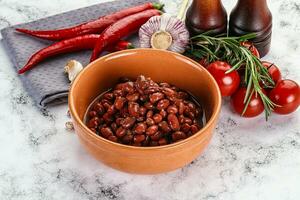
(47,83)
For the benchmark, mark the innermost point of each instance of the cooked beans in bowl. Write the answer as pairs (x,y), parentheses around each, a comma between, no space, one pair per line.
(144,113)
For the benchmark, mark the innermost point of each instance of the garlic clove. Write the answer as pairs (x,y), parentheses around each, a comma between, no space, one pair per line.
(72,68)
(164,32)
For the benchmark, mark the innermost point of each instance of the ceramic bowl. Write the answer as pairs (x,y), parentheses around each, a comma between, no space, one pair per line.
(161,66)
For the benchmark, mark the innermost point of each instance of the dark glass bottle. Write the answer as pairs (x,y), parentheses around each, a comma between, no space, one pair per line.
(206,15)
(252,16)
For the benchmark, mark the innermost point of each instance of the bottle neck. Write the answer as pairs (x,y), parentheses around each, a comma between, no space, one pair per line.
(209,5)
(253,4)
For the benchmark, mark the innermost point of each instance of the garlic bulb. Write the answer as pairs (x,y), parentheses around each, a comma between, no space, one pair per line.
(73,68)
(164,32)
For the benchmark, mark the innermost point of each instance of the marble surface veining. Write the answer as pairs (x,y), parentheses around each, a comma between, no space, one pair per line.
(247,158)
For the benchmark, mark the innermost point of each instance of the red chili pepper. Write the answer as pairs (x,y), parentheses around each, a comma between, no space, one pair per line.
(95,26)
(69,45)
(121,45)
(120,29)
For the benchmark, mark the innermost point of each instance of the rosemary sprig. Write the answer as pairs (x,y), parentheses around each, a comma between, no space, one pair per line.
(229,49)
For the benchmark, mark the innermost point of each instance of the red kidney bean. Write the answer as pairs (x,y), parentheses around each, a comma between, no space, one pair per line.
(140,119)
(151,90)
(119,120)
(111,110)
(105,101)
(164,85)
(113,138)
(149,114)
(149,105)
(114,126)
(128,122)
(140,128)
(150,121)
(163,113)
(92,113)
(106,105)
(152,83)
(188,121)
(162,141)
(185,128)
(124,112)
(176,89)
(181,119)
(127,138)
(164,127)
(94,130)
(195,121)
(191,106)
(133,109)
(108,118)
(99,109)
(191,115)
(183,95)
(133,97)
(194,128)
(128,87)
(181,108)
(168,92)
(138,138)
(118,93)
(157,118)
(173,98)
(163,104)
(156,97)
(156,136)
(108,96)
(146,141)
(143,110)
(106,132)
(152,130)
(173,122)
(172,109)
(93,123)
(119,102)
(141,83)
(178,135)
(120,132)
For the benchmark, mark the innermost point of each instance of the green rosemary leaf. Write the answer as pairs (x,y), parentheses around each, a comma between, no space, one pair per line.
(247,37)
(229,49)
(235,67)
(247,103)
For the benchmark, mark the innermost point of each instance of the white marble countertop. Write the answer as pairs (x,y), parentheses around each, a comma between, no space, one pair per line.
(247,158)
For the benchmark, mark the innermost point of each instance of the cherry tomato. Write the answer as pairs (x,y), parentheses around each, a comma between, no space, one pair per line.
(251,47)
(204,62)
(228,83)
(286,94)
(255,107)
(273,71)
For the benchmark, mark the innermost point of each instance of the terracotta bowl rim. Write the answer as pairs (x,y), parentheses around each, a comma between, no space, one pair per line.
(75,115)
